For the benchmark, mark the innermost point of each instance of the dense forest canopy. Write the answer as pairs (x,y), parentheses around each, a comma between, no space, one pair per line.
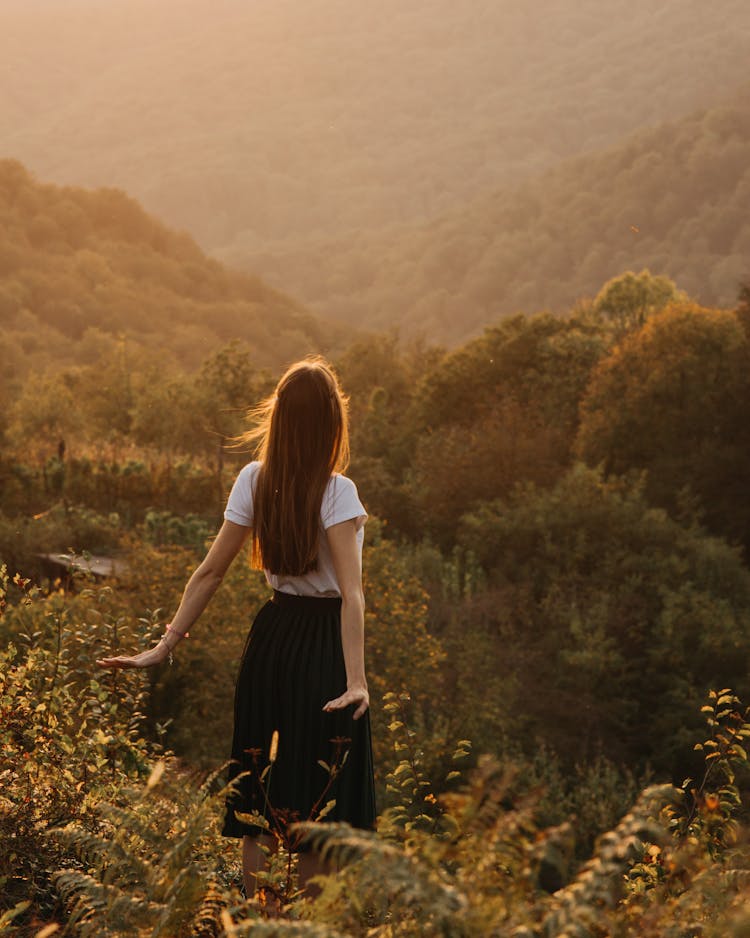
(331,122)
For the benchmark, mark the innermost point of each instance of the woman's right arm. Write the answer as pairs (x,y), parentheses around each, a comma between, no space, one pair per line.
(200,588)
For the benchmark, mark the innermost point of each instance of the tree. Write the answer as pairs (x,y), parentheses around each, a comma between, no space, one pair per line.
(499,410)
(164,416)
(46,412)
(611,619)
(228,384)
(629,299)
(672,399)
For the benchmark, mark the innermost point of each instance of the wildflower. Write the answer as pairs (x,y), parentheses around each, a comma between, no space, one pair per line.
(712,802)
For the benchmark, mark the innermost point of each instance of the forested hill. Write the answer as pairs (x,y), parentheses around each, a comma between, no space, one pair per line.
(673,198)
(79,268)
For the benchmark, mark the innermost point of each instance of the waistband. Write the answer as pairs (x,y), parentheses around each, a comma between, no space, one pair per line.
(306,603)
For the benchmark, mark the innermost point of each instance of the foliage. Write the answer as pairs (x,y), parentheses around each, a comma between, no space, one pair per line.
(149,865)
(628,300)
(705,813)
(671,399)
(463,858)
(164,527)
(65,736)
(89,276)
(623,616)
(24,540)
(401,652)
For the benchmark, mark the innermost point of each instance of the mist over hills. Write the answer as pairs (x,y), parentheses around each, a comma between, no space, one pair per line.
(273,129)
(672,198)
(81,270)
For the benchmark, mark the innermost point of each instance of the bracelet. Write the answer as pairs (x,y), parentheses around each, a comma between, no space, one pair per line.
(181,634)
(175,632)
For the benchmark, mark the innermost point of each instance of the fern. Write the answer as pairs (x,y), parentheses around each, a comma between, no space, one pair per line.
(280,928)
(576,908)
(132,883)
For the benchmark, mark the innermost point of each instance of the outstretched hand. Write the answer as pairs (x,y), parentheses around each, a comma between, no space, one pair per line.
(144,659)
(356,695)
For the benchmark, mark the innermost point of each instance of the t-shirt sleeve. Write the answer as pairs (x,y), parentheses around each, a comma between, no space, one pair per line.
(240,502)
(341,503)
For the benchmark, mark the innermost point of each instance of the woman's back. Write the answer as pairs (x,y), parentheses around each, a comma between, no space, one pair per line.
(340,503)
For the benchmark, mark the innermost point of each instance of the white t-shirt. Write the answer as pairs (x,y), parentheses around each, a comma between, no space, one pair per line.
(340,503)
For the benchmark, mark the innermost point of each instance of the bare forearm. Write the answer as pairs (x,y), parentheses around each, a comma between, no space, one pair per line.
(353,639)
(200,588)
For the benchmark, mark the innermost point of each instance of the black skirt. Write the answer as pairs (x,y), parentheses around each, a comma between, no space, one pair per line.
(293,663)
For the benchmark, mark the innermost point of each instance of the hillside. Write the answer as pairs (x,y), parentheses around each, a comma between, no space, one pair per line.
(260,126)
(79,268)
(672,198)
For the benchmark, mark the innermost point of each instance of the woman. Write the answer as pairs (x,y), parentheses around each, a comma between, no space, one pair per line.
(302,675)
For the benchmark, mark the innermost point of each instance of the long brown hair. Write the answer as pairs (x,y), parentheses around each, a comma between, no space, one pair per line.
(301,437)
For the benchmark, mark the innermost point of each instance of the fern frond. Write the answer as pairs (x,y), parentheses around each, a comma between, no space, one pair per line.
(95,905)
(281,929)
(388,873)
(114,856)
(183,896)
(187,839)
(88,847)
(207,921)
(206,788)
(129,820)
(576,908)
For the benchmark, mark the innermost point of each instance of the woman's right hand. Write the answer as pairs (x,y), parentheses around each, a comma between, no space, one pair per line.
(144,659)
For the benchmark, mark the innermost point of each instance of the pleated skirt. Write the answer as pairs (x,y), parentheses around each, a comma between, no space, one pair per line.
(292,664)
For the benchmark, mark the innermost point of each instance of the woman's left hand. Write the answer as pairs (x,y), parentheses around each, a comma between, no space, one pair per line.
(145,659)
(355,695)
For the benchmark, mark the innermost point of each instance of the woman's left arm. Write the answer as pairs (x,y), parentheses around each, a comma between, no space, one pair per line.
(342,539)
(200,588)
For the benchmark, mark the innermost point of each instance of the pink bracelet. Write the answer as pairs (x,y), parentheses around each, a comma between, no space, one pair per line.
(181,634)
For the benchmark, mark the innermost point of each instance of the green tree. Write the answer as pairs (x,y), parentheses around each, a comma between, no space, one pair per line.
(46,411)
(227,385)
(499,410)
(629,299)
(165,415)
(609,616)
(672,399)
